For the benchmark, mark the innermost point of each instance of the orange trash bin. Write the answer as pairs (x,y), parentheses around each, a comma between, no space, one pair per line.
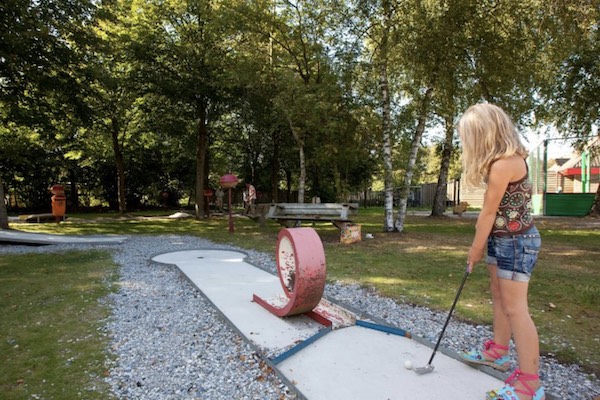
(59,202)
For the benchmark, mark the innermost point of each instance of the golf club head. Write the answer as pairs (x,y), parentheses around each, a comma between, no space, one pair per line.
(424,370)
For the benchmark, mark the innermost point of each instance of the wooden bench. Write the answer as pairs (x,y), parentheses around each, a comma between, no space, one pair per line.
(292,214)
(46,217)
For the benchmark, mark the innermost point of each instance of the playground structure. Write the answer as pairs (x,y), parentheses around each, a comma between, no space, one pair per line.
(564,185)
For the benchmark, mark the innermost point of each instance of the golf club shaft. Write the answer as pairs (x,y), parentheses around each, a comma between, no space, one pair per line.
(462,284)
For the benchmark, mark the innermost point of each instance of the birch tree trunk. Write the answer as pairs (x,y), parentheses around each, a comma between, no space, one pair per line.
(3,211)
(412,159)
(388,177)
(439,199)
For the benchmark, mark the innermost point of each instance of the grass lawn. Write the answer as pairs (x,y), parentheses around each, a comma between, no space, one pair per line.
(423,266)
(50,317)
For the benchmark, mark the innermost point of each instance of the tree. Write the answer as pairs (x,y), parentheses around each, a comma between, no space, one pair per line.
(383,61)
(43,74)
(307,91)
(182,49)
(572,100)
(28,167)
(439,199)
(298,31)
(423,29)
(115,95)
(373,25)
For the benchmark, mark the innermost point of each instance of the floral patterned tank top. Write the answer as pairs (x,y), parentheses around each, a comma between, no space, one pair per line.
(514,213)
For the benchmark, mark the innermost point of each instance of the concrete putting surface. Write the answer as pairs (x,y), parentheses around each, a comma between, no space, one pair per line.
(354,362)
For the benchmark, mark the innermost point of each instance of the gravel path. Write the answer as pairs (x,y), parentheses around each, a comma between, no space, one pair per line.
(169,343)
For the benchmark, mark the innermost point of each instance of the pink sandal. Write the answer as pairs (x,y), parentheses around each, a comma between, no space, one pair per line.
(490,348)
(508,392)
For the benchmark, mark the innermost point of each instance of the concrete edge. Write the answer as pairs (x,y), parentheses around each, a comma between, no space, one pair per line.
(42,240)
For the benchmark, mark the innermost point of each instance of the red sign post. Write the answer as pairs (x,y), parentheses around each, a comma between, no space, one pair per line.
(229,181)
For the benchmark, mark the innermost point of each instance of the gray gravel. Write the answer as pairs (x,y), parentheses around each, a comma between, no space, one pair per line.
(169,343)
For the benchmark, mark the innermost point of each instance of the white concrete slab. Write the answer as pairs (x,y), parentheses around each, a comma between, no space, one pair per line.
(361,363)
(15,236)
(230,283)
(353,363)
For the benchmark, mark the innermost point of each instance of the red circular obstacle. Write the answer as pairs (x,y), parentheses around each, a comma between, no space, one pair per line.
(302,272)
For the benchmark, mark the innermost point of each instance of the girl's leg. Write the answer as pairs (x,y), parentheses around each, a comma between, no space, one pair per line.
(514,301)
(494,353)
(501,324)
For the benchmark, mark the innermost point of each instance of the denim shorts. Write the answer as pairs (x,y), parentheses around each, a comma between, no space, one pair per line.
(515,256)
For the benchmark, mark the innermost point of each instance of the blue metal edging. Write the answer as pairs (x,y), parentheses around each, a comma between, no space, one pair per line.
(287,354)
(383,328)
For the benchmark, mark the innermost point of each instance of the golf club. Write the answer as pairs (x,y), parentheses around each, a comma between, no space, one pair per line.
(429,367)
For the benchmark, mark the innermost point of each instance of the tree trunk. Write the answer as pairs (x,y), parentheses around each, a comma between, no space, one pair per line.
(3,211)
(201,149)
(74,193)
(439,199)
(388,177)
(342,195)
(120,164)
(302,178)
(207,161)
(412,159)
(275,137)
(288,185)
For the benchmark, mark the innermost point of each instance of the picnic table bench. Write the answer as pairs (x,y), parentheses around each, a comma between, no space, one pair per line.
(292,214)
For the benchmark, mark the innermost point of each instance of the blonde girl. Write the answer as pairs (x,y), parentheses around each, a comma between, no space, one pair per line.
(493,154)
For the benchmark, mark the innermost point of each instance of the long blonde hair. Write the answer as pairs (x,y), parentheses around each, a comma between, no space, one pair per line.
(487,134)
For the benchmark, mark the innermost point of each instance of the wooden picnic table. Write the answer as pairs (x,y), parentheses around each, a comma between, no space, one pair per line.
(292,214)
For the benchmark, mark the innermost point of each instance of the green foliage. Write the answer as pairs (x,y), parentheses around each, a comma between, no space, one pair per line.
(44,80)
(572,76)
(141,85)
(27,167)
(578,106)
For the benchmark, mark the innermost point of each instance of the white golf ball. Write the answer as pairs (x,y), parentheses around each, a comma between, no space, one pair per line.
(408,364)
